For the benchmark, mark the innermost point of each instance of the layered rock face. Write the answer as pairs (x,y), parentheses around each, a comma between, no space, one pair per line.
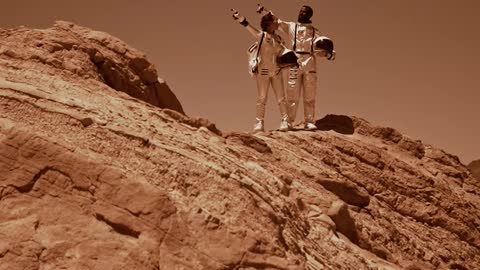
(91,178)
(474,167)
(83,55)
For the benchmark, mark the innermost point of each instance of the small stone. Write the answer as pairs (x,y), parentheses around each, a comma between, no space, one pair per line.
(86,121)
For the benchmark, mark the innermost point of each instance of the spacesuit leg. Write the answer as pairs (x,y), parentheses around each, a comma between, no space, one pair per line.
(293,91)
(309,93)
(277,84)
(263,82)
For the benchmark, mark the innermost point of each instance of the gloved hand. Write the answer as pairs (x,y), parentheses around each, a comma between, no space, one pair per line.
(260,8)
(237,16)
(332,56)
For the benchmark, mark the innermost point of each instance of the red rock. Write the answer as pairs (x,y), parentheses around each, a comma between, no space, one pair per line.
(347,191)
(474,168)
(91,177)
(249,141)
(344,223)
(92,54)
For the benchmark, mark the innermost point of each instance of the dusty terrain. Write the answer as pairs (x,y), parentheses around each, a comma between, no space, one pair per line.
(93,178)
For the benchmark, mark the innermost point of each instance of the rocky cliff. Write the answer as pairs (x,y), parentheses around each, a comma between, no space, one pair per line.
(91,178)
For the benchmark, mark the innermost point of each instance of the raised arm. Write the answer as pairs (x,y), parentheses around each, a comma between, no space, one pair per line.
(243,21)
(283,26)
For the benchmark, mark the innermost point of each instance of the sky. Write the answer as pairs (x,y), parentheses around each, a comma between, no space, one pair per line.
(412,65)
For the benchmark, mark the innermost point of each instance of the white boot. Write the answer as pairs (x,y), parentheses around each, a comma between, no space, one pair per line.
(284,125)
(310,126)
(258,126)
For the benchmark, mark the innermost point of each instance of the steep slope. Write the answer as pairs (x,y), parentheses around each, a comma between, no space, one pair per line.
(474,167)
(92,178)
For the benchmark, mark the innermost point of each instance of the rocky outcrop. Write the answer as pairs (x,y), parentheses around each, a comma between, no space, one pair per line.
(474,168)
(83,54)
(91,178)
(58,207)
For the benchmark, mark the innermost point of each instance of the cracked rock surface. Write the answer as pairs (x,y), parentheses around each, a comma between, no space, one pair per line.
(92,178)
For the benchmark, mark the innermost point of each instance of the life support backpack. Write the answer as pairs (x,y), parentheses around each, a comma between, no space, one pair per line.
(252,53)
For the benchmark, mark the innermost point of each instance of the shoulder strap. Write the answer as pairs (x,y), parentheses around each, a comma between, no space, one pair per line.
(313,39)
(295,38)
(260,45)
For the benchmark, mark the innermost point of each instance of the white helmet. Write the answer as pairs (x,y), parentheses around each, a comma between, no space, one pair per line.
(323,43)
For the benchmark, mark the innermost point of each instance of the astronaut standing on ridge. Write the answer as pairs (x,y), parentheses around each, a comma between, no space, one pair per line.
(303,39)
(267,71)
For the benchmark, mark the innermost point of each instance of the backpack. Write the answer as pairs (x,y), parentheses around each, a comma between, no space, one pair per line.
(252,53)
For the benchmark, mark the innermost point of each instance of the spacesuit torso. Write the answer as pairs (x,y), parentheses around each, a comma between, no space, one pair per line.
(302,36)
(272,45)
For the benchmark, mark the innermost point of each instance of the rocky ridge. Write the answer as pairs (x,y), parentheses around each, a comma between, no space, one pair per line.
(86,54)
(91,178)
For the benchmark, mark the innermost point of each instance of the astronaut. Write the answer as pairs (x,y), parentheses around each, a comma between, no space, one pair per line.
(266,69)
(302,38)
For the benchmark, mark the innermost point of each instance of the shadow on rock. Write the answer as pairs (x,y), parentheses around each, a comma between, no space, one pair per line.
(345,224)
(346,191)
(338,123)
(248,140)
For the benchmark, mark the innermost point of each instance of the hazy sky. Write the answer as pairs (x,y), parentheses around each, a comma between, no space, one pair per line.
(411,64)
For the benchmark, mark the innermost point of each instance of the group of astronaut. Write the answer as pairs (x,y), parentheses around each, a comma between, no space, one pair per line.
(305,43)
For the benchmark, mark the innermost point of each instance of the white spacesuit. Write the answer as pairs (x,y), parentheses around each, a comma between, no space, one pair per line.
(301,37)
(267,73)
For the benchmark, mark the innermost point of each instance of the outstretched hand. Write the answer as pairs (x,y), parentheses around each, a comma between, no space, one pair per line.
(237,16)
(332,56)
(260,8)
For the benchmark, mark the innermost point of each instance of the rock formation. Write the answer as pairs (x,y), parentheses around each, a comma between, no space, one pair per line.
(91,178)
(474,167)
(79,52)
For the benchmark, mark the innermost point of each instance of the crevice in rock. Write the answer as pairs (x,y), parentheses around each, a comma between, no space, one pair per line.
(374,159)
(29,186)
(250,141)
(3,254)
(237,265)
(346,191)
(263,265)
(118,227)
(143,141)
(262,262)
(281,238)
